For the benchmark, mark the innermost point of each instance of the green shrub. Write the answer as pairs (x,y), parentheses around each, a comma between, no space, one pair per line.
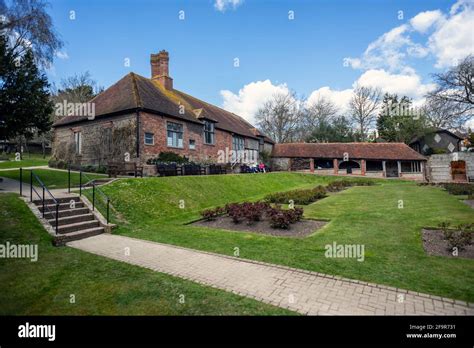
(302,197)
(459,188)
(168,157)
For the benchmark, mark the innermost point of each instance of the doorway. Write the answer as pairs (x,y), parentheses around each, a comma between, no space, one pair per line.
(391,169)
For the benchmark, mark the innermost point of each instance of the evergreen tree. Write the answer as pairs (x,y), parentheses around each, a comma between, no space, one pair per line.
(25,105)
(398,122)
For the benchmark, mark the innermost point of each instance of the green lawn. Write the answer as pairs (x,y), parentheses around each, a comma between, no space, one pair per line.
(29,160)
(51,178)
(150,209)
(100,286)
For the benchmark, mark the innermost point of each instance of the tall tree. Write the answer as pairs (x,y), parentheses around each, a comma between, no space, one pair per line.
(280,117)
(398,121)
(363,108)
(335,129)
(28,26)
(456,85)
(25,100)
(445,114)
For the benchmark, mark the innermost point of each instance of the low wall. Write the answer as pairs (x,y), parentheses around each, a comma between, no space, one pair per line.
(439,166)
(412,176)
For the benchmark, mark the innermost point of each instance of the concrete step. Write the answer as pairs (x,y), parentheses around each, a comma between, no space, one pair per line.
(62,206)
(78,226)
(64,213)
(39,202)
(62,239)
(67,220)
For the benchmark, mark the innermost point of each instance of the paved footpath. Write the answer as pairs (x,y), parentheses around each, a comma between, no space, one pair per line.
(298,290)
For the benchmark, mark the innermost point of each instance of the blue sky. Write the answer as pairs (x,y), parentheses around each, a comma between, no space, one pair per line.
(306,54)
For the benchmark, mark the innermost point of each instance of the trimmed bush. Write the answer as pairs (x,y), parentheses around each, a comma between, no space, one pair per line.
(302,197)
(168,157)
(459,188)
(252,212)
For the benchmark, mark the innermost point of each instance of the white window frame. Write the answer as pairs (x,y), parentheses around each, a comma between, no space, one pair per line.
(179,138)
(238,143)
(78,142)
(209,129)
(152,138)
(193,146)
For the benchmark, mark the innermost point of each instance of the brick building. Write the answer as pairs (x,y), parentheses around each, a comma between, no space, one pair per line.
(140,117)
(367,159)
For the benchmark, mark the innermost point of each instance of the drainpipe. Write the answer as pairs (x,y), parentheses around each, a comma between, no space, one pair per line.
(138,134)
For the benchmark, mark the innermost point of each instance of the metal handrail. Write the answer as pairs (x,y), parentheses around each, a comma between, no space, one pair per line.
(45,189)
(94,187)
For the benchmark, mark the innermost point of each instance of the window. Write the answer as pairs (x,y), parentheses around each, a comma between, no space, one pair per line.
(78,142)
(175,134)
(208,132)
(192,144)
(149,139)
(411,167)
(323,163)
(108,139)
(374,166)
(238,143)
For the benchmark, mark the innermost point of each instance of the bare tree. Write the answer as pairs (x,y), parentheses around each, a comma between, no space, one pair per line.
(79,88)
(28,26)
(456,86)
(444,114)
(319,111)
(363,108)
(279,118)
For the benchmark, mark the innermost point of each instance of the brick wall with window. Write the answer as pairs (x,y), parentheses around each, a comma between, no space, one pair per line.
(190,138)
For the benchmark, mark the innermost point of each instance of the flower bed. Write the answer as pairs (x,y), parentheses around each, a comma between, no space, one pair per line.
(447,241)
(259,217)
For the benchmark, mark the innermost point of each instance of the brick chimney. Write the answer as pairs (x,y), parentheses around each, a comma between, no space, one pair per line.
(160,69)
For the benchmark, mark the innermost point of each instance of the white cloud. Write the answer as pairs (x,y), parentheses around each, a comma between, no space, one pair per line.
(250,98)
(407,83)
(61,55)
(425,20)
(339,98)
(253,95)
(385,52)
(447,37)
(454,39)
(224,5)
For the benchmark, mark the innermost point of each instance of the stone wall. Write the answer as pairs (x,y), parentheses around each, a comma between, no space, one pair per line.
(102,141)
(439,166)
(282,163)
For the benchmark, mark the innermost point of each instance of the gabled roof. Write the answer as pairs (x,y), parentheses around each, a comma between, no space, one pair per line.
(134,92)
(439,130)
(371,151)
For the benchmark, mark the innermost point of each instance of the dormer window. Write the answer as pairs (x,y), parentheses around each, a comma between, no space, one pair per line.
(209,134)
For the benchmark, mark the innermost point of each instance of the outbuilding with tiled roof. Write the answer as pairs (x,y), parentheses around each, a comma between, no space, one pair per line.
(366,159)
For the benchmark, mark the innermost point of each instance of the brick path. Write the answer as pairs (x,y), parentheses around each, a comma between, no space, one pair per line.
(298,290)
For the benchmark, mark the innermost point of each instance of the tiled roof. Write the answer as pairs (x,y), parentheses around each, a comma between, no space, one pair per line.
(134,91)
(373,151)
